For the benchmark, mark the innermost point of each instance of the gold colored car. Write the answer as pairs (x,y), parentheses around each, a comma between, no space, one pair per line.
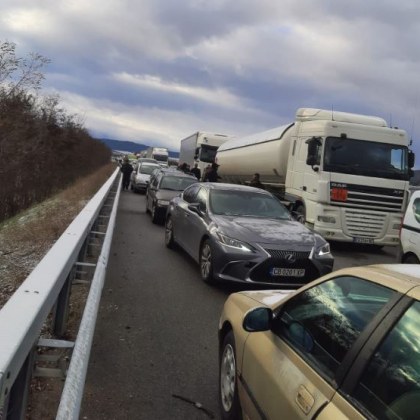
(344,346)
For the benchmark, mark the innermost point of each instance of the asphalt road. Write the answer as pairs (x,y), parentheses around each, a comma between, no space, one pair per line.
(156,332)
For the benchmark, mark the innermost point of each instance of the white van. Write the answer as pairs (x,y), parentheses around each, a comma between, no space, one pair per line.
(410,232)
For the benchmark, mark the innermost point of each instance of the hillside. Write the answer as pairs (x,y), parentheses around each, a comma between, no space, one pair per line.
(130,146)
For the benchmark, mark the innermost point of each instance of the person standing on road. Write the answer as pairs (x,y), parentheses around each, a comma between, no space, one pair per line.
(255,182)
(212,175)
(205,172)
(126,170)
(196,171)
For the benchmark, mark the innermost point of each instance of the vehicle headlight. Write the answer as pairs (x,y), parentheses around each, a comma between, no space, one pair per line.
(323,250)
(234,243)
(163,202)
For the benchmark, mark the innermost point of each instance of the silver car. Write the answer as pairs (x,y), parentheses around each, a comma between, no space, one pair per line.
(140,177)
(244,234)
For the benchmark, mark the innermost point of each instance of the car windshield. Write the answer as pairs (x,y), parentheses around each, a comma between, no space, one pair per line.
(176,183)
(246,203)
(147,169)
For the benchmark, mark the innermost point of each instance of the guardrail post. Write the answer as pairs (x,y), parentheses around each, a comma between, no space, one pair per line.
(15,406)
(62,306)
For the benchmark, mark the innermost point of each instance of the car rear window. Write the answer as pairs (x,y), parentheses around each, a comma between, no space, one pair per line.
(176,183)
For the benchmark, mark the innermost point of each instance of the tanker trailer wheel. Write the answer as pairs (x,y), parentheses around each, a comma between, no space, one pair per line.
(300,213)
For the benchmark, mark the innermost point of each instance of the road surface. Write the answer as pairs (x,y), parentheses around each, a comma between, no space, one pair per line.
(156,333)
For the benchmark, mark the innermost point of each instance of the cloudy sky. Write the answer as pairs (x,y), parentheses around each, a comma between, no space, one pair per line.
(155,71)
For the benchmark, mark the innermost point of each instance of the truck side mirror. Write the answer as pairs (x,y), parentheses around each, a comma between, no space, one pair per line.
(313,146)
(197,153)
(411,159)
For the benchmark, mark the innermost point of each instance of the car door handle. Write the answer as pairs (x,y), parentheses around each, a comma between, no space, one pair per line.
(304,399)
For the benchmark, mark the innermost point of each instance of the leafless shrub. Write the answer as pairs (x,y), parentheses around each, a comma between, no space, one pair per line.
(42,148)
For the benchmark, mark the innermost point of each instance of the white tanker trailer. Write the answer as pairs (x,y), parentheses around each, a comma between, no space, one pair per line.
(347,175)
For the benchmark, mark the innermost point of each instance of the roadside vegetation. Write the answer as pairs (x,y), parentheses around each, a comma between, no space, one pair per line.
(43,149)
(27,237)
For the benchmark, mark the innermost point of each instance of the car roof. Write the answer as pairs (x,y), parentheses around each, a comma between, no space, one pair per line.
(404,278)
(177,173)
(232,187)
(400,277)
(156,165)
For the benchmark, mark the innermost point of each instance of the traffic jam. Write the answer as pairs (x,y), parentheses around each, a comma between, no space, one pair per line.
(301,340)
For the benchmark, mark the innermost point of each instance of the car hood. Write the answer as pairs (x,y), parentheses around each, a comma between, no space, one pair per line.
(266,231)
(167,194)
(270,298)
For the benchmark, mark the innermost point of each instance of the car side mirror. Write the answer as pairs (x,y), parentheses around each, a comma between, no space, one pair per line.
(195,207)
(258,319)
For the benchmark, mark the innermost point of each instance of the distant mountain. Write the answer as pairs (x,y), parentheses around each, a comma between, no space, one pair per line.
(130,146)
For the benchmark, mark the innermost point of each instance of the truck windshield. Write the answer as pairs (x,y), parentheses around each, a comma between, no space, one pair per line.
(208,153)
(368,158)
(161,158)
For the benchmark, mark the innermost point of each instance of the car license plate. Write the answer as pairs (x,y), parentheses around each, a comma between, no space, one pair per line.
(363,240)
(287,272)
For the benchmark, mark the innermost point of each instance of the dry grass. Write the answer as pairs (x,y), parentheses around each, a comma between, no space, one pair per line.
(24,240)
(27,237)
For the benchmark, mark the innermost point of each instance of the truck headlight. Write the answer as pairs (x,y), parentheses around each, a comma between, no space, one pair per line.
(234,243)
(326,219)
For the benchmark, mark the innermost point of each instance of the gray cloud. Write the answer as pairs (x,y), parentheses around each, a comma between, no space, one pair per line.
(158,70)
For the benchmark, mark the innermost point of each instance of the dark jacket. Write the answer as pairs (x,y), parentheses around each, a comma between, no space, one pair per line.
(126,169)
(212,176)
(196,172)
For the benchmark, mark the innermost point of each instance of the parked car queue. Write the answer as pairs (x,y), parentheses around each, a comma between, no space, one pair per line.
(342,346)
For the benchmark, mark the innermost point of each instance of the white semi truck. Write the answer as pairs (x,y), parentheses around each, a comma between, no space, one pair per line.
(161,154)
(201,148)
(346,175)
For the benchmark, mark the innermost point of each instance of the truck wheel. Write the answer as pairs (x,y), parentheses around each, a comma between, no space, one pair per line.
(300,214)
(411,259)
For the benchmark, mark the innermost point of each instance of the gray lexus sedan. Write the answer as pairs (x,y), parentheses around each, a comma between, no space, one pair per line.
(244,234)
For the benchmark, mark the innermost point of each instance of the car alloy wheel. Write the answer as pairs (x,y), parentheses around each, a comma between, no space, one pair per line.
(229,400)
(169,233)
(155,217)
(206,262)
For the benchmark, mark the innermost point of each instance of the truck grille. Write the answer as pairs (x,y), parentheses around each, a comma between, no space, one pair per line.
(368,198)
(362,224)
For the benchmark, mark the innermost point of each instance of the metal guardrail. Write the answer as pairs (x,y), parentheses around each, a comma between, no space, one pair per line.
(45,292)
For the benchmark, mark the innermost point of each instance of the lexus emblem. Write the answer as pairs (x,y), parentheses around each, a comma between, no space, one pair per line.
(291,258)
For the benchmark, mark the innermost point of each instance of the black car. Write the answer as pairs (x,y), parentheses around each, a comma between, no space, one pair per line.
(245,234)
(165,185)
